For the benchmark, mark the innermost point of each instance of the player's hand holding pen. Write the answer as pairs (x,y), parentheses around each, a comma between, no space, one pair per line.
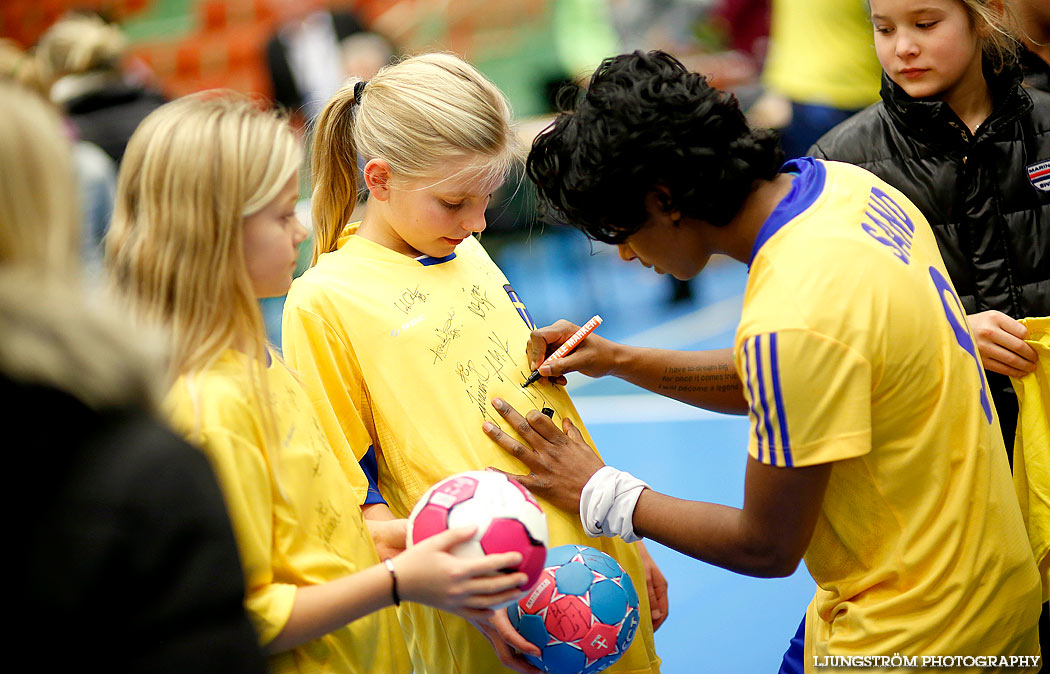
(594,356)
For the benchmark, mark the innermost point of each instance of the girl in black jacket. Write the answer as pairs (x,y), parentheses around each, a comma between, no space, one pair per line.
(960,136)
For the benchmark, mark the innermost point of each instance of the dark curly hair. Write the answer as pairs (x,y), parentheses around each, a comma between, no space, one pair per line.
(646,121)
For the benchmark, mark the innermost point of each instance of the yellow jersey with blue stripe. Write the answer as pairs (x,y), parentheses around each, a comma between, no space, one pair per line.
(414,350)
(854,350)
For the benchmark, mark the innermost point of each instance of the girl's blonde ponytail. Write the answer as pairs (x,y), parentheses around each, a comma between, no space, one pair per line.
(334,167)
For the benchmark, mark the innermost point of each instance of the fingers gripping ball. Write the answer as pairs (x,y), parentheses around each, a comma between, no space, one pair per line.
(583,612)
(508,518)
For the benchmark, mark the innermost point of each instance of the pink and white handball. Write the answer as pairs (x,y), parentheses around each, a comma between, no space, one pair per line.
(507,516)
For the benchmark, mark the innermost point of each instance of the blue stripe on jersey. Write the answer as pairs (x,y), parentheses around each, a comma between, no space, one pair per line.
(370,467)
(762,397)
(804,191)
(751,396)
(426,260)
(778,399)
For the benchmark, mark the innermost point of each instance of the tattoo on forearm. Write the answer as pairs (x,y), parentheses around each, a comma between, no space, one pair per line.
(699,379)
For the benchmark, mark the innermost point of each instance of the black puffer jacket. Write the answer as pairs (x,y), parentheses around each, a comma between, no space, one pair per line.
(991,221)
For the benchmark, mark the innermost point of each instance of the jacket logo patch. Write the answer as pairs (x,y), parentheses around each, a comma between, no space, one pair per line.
(1039,174)
(520,306)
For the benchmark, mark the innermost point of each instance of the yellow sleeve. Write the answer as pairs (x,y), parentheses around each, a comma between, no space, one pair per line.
(1032,447)
(330,374)
(243,472)
(809,398)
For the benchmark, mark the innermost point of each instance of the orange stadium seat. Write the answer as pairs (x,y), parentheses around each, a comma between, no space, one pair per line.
(213,15)
(246,46)
(52,9)
(161,58)
(134,6)
(227,51)
(187,60)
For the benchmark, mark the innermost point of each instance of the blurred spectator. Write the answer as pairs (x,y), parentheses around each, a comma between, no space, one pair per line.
(528,49)
(315,49)
(81,56)
(1034,16)
(96,172)
(745,24)
(364,53)
(97,187)
(724,40)
(21,67)
(125,555)
(822,62)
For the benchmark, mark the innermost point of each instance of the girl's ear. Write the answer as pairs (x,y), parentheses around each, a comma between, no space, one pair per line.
(377,178)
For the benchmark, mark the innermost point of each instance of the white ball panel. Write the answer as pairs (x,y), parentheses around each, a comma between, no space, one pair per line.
(535,522)
(474,512)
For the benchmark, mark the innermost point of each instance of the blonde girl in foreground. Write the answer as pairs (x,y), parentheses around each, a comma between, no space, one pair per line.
(404,329)
(204,226)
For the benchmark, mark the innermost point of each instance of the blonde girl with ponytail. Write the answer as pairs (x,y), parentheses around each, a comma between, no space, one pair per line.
(404,330)
(204,227)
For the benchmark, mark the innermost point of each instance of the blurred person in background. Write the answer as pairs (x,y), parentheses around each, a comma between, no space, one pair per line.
(96,172)
(1034,16)
(745,23)
(81,57)
(20,66)
(724,40)
(315,49)
(820,69)
(125,554)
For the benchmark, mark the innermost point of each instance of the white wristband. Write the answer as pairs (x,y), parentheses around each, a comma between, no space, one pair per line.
(607,504)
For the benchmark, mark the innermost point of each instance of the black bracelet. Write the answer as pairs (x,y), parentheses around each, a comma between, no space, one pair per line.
(393,590)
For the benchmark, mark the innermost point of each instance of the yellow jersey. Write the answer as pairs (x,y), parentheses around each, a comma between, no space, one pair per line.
(296,518)
(1032,446)
(822,52)
(854,350)
(414,350)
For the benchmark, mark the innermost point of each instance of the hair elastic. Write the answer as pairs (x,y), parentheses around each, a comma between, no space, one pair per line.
(359,88)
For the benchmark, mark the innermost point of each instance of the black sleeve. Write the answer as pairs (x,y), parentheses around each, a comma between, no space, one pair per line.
(187,564)
(346,24)
(285,91)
